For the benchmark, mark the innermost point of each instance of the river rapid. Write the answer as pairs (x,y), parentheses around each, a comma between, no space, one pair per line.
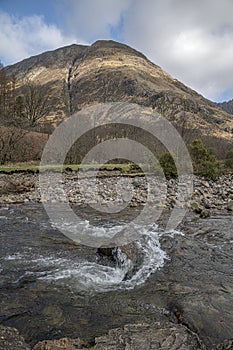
(51,287)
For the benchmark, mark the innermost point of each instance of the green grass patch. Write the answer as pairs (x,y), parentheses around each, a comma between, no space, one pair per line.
(124,168)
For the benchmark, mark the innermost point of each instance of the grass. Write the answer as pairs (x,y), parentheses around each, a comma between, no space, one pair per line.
(124,168)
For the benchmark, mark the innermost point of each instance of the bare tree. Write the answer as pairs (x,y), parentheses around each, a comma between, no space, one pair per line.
(9,141)
(33,105)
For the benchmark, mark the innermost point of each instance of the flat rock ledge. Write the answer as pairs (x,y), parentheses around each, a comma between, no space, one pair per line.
(144,336)
(149,337)
(134,337)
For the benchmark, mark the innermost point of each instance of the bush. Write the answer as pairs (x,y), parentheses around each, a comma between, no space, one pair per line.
(167,163)
(229,159)
(204,161)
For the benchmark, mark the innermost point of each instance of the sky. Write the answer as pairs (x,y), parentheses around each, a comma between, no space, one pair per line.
(191,40)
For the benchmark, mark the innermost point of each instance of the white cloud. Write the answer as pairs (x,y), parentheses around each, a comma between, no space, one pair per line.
(27,36)
(192,40)
(93,19)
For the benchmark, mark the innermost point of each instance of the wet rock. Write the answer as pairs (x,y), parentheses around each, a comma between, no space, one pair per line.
(60,344)
(105,252)
(10,339)
(149,337)
(230,205)
(197,207)
(226,345)
(205,213)
(201,210)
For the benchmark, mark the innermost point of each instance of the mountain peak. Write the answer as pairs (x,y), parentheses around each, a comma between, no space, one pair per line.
(109,71)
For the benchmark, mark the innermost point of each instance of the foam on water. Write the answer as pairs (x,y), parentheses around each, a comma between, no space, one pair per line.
(93,276)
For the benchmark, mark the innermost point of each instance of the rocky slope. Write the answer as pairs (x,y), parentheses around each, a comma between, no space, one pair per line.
(109,71)
(227,106)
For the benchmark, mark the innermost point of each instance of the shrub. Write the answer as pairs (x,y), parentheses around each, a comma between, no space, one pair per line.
(167,163)
(204,161)
(229,159)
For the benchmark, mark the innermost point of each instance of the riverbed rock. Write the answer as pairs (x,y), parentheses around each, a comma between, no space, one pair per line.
(10,187)
(150,337)
(226,345)
(60,344)
(7,187)
(230,205)
(10,339)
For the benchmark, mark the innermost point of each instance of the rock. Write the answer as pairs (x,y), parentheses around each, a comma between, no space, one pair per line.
(150,337)
(105,252)
(10,339)
(226,345)
(60,344)
(197,208)
(9,187)
(205,213)
(6,187)
(230,205)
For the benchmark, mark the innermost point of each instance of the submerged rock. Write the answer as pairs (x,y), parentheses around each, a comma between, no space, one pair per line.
(10,339)
(150,337)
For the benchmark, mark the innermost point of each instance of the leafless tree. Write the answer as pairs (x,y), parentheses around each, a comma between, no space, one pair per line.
(9,141)
(33,104)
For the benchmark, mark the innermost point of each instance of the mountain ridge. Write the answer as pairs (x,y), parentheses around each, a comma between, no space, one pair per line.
(108,71)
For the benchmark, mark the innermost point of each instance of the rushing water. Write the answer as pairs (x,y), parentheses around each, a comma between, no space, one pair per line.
(33,250)
(51,287)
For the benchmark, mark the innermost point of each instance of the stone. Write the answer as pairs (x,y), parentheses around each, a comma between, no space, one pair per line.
(230,205)
(60,344)
(226,345)
(150,337)
(205,213)
(10,339)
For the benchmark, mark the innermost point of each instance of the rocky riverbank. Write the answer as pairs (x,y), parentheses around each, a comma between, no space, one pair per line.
(154,336)
(207,247)
(111,186)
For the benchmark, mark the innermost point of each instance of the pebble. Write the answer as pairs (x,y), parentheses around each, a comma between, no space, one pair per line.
(106,189)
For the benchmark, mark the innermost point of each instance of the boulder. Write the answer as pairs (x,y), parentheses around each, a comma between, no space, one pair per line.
(150,337)
(9,187)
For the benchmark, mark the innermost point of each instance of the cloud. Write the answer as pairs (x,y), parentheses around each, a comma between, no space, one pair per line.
(27,36)
(192,40)
(93,19)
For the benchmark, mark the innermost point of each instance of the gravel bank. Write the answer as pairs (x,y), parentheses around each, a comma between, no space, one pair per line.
(111,188)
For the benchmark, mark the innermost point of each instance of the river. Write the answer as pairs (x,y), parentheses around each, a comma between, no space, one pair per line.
(51,287)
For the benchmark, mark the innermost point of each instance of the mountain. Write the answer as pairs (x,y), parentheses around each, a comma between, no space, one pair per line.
(227,106)
(76,76)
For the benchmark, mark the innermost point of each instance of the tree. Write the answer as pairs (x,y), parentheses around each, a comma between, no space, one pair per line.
(33,105)
(9,141)
(11,128)
(204,161)
(167,162)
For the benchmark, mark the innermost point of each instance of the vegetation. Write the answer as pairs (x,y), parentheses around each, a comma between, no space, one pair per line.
(166,160)
(21,111)
(229,159)
(204,161)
